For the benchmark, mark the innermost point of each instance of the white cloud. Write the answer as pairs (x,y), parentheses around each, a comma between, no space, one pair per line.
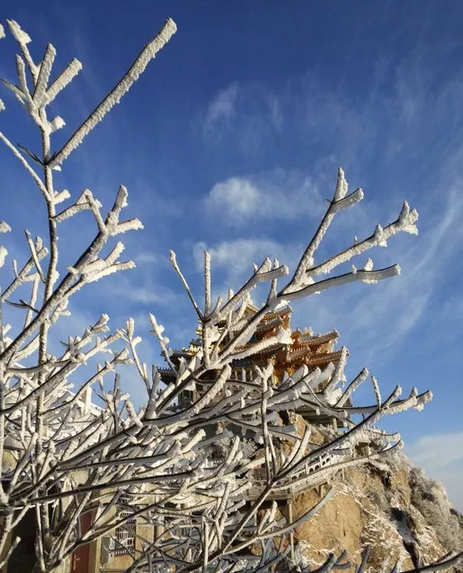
(225,113)
(221,108)
(145,296)
(231,262)
(381,315)
(236,257)
(238,198)
(436,451)
(390,119)
(141,287)
(441,456)
(277,195)
(146,258)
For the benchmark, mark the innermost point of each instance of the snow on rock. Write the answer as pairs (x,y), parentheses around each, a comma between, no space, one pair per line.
(390,506)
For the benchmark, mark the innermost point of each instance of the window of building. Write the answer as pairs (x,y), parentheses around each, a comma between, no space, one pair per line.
(125,533)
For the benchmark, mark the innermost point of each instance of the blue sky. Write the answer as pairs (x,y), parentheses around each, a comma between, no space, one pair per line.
(262,101)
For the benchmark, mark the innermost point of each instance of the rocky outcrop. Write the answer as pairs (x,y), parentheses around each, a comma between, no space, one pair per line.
(389,505)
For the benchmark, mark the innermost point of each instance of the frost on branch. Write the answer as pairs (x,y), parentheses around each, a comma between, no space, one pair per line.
(46,420)
(205,459)
(115,95)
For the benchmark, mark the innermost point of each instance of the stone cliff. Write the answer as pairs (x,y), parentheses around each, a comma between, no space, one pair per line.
(390,505)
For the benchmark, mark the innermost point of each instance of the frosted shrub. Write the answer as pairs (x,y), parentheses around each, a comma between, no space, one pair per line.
(66,461)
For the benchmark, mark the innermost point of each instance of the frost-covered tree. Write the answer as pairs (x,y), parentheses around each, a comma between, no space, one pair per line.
(185,469)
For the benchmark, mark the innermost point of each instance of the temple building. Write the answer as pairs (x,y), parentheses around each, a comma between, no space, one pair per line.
(306,348)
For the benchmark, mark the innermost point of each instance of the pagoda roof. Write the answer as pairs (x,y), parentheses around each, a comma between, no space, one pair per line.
(277,312)
(324,358)
(271,349)
(267,325)
(313,350)
(315,339)
(178,352)
(277,347)
(299,352)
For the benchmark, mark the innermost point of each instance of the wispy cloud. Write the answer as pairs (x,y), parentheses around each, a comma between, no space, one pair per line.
(255,117)
(221,108)
(145,290)
(383,315)
(441,456)
(381,126)
(146,258)
(436,451)
(276,195)
(232,260)
(425,264)
(237,255)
